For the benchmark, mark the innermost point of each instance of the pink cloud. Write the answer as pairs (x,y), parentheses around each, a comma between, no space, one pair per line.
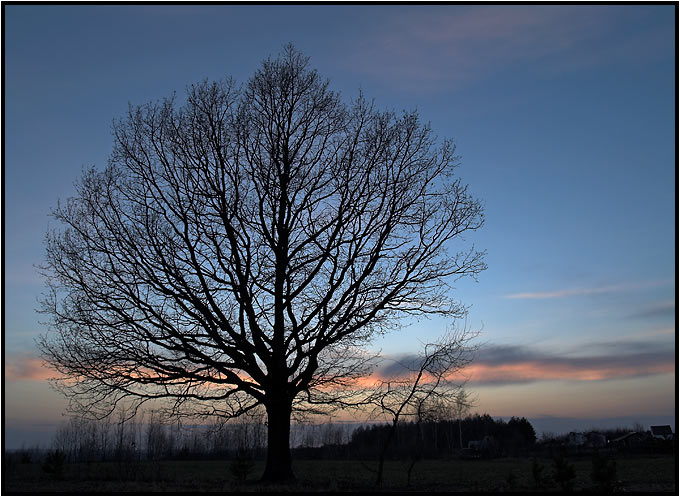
(27,368)
(527,371)
(435,47)
(508,364)
(540,371)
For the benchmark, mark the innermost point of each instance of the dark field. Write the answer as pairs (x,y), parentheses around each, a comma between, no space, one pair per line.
(635,475)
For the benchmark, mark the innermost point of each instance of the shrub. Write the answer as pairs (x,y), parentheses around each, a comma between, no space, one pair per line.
(54,464)
(25,457)
(603,473)
(511,481)
(537,473)
(241,466)
(563,472)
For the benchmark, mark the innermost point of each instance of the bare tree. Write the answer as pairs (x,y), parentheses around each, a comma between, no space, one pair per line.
(241,249)
(461,405)
(423,385)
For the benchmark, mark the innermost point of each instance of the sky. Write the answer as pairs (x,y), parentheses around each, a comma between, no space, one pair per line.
(564,117)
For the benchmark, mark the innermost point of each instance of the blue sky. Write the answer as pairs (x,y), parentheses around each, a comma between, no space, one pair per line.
(564,117)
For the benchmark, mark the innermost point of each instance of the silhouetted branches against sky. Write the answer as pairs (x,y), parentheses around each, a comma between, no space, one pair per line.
(432,387)
(241,248)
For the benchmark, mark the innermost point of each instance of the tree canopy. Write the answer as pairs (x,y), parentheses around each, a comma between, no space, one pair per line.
(242,247)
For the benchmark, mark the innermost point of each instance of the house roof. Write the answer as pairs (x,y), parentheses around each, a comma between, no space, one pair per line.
(661,430)
(627,435)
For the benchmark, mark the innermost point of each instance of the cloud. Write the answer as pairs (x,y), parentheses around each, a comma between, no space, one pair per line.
(658,310)
(579,292)
(598,361)
(397,367)
(558,294)
(493,365)
(513,364)
(433,47)
(659,332)
(27,368)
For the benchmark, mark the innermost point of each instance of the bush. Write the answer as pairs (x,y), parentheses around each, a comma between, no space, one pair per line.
(54,464)
(603,473)
(25,457)
(511,482)
(241,466)
(537,473)
(563,472)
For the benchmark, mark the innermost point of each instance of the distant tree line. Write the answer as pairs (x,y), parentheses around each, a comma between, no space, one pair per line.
(149,437)
(442,438)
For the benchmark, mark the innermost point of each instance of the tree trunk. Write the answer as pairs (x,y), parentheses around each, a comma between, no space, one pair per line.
(460,432)
(279,461)
(383,452)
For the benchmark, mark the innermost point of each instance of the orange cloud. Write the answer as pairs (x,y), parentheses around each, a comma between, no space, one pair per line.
(496,365)
(27,368)
(525,372)
(539,371)
(505,364)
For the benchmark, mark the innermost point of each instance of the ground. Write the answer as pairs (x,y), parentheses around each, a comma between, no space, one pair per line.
(656,475)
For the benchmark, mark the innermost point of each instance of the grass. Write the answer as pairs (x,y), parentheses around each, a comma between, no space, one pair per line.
(513,475)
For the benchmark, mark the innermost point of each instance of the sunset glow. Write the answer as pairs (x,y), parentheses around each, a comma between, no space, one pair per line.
(563,119)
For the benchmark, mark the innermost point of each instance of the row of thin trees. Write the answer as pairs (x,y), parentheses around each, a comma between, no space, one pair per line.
(147,436)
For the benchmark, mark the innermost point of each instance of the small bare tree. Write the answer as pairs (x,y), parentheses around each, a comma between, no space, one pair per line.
(463,401)
(425,384)
(242,249)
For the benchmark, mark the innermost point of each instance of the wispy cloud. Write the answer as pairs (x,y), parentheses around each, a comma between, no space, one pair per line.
(442,46)
(659,332)
(659,309)
(558,294)
(577,292)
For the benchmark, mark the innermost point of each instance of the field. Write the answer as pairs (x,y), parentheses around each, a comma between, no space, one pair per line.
(656,475)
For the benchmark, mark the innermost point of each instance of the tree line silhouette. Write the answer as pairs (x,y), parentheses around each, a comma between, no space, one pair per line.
(150,438)
(141,447)
(440,438)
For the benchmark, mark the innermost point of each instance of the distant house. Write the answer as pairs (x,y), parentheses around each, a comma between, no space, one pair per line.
(596,440)
(632,440)
(470,453)
(663,432)
(576,438)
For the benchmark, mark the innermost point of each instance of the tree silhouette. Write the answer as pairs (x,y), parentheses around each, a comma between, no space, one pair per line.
(426,385)
(240,249)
